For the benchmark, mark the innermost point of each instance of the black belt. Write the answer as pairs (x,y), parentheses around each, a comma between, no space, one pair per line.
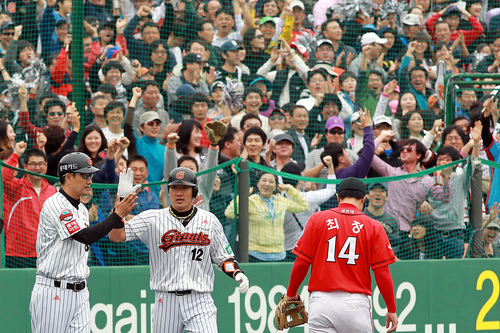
(76,287)
(181,293)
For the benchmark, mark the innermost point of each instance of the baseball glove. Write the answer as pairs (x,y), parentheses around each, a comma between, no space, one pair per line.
(295,309)
(215,130)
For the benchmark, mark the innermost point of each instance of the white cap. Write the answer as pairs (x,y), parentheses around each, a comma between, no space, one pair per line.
(297,3)
(274,132)
(382,120)
(370,38)
(324,41)
(411,19)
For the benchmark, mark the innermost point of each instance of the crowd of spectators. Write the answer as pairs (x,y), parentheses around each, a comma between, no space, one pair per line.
(324,96)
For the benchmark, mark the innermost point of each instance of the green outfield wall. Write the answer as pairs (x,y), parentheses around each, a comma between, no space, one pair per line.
(445,296)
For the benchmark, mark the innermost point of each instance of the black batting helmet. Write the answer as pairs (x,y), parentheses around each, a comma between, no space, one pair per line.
(75,163)
(183,176)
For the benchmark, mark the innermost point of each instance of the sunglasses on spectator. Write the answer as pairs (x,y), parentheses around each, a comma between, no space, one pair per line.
(8,33)
(334,131)
(407,149)
(56,113)
(259,36)
(35,164)
(153,123)
(276,117)
(85,176)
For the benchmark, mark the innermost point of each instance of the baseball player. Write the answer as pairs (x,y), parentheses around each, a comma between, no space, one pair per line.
(183,240)
(60,299)
(341,245)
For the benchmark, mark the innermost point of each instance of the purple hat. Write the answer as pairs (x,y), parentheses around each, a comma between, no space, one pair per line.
(112,52)
(333,122)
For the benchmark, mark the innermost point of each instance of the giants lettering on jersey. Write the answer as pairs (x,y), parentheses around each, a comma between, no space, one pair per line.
(174,238)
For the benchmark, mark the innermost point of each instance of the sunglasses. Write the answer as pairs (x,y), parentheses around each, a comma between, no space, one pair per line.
(55,113)
(153,123)
(276,118)
(259,36)
(85,176)
(334,131)
(407,149)
(8,33)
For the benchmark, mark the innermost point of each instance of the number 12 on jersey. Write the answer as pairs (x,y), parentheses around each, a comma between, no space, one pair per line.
(348,250)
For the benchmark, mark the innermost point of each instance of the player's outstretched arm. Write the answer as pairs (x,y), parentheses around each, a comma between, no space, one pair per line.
(233,270)
(93,233)
(122,209)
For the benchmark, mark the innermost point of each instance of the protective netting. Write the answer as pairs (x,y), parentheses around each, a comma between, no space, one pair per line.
(116,79)
(425,214)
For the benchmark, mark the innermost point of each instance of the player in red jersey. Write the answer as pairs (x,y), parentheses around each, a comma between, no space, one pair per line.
(341,245)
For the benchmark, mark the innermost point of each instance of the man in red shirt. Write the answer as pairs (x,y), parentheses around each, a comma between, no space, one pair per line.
(341,245)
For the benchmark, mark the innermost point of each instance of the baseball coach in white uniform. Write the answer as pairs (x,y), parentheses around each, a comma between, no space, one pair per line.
(183,240)
(60,298)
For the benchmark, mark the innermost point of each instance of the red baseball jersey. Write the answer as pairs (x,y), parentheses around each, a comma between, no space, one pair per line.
(341,245)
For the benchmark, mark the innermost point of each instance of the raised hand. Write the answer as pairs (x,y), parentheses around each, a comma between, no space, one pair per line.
(316,140)
(338,62)
(143,11)
(20,148)
(23,92)
(270,147)
(123,143)
(328,161)
(172,138)
(488,105)
(41,140)
(137,92)
(365,118)
(284,187)
(93,216)
(112,146)
(476,131)
(121,23)
(125,207)
(390,87)
(350,57)
(495,209)
(126,183)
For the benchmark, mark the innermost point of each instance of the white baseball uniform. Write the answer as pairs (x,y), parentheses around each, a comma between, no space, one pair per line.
(61,264)
(180,259)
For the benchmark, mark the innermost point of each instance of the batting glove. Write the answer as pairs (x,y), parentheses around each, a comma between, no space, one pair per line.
(126,183)
(243,282)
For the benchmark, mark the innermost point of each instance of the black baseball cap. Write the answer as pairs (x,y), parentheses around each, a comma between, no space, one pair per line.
(377,185)
(7,25)
(284,137)
(352,183)
(191,58)
(292,167)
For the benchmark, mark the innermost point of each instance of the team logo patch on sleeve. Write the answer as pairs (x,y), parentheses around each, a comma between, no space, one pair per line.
(66,215)
(229,250)
(72,226)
